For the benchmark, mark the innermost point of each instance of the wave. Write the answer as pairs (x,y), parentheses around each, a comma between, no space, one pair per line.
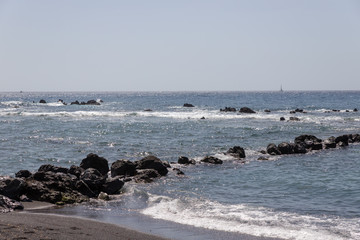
(245,219)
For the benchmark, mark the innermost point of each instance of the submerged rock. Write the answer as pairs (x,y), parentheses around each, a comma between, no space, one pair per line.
(246,110)
(237,152)
(188,105)
(212,160)
(228,109)
(185,160)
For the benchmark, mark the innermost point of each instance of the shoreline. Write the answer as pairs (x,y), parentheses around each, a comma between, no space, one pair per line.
(38,220)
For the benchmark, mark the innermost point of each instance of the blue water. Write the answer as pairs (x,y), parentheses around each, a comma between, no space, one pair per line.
(312,196)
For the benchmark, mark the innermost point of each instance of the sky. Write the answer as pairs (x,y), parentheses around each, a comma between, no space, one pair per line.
(187,45)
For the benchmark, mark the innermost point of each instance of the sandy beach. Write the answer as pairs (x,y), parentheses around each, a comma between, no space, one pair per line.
(29,225)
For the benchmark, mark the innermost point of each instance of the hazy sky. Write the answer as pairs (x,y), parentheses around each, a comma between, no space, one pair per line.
(154,45)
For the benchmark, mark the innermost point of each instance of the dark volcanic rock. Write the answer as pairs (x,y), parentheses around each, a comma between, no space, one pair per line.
(311,142)
(282,119)
(93,178)
(299,148)
(185,160)
(75,103)
(152,162)
(8,205)
(92,102)
(329,143)
(294,119)
(123,168)
(52,168)
(342,140)
(146,175)
(42,101)
(212,160)
(94,161)
(23,174)
(246,110)
(37,190)
(228,109)
(188,105)
(12,187)
(272,149)
(178,171)
(267,111)
(112,185)
(75,170)
(355,109)
(237,152)
(286,148)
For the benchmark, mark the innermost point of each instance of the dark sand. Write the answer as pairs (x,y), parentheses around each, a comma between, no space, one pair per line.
(26,225)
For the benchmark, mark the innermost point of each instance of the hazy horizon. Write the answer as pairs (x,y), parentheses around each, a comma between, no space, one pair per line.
(116,46)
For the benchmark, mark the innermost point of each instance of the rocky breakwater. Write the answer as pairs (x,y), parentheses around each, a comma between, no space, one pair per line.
(92,179)
(306,143)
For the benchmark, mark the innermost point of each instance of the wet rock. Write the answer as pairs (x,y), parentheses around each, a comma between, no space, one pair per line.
(75,103)
(299,110)
(246,110)
(112,186)
(202,118)
(272,149)
(310,141)
(228,109)
(185,160)
(282,119)
(146,175)
(37,190)
(329,143)
(178,171)
(92,102)
(355,109)
(152,162)
(8,205)
(286,148)
(342,141)
(237,152)
(123,168)
(42,101)
(212,160)
(94,161)
(84,189)
(148,110)
(300,148)
(23,174)
(294,119)
(188,105)
(103,196)
(263,158)
(267,111)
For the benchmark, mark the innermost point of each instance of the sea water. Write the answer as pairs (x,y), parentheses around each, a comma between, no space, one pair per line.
(310,196)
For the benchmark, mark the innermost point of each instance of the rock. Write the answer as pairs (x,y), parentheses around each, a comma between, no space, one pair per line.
(148,110)
(202,118)
(178,171)
(75,103)
(299,148)
(355,109)
(262,152)
(292,112)
(267,111)
(310,141)
(272,149)
(84,189)
(112,186)
(228,109)
(342,140)
(263,158)
(336,110)
(185,160)
(12,187)
(52,168)
(42,101)
(94,161)
(93,178)
(246,110)
(152,162)
(23,174)
(237,152)
(123,168)
(299,110)
(36,190)
(355,138)
(8,205)
(286,148)
(103,196)
(294,119)
(188,105)
(212,160)
(282,119)
(329,143)
(75,170)
(92,102)
(146,175)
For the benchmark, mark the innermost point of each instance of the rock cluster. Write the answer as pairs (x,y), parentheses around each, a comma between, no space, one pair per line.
(90,102)
(242,110)
(78,183)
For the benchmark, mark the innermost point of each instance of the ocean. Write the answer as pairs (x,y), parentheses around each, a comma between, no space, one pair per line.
(300,196)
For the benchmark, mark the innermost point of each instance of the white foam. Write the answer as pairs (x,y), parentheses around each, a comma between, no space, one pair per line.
(245,219)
